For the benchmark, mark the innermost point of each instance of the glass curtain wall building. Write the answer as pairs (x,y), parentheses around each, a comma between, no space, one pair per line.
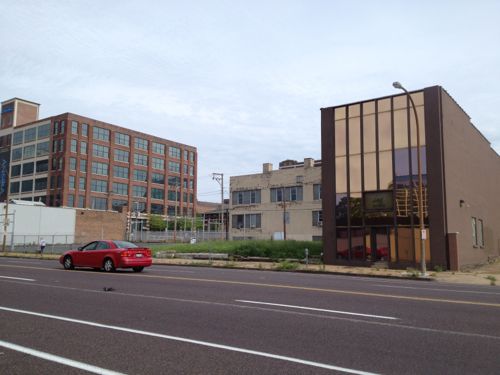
(375,148)
(370,183)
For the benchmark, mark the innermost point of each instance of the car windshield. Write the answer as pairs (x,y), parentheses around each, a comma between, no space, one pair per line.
(125,245)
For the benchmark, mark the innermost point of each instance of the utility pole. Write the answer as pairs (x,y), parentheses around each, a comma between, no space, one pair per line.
(284,213)
(219,177)
(175,217)
(6,207)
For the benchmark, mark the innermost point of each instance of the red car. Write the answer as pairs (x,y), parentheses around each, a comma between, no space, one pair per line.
(109,255)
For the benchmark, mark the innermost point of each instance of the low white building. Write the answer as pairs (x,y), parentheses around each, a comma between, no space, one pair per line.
(28,222)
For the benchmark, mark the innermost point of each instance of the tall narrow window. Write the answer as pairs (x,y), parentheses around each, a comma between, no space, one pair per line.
(474,231)
(480,237)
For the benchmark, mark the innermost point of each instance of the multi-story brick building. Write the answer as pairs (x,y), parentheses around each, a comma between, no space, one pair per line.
(71,160)
(280,204)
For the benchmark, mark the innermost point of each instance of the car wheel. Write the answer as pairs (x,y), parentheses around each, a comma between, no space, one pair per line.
(138,269)
(109,266)
(68,263)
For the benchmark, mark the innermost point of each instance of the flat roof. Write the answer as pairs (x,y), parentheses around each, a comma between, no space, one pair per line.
(22,100)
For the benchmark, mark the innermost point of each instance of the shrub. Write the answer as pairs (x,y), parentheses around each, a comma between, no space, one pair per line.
(287,266)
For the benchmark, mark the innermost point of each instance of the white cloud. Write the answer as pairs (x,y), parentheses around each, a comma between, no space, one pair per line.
(244,82)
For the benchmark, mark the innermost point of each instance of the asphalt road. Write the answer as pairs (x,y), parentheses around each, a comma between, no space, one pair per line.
(194,320)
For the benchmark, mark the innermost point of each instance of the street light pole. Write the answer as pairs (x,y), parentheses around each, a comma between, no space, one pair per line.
(284,211)
(420,202)
(175,216)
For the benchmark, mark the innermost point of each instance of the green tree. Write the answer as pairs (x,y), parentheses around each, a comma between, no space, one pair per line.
(156,223)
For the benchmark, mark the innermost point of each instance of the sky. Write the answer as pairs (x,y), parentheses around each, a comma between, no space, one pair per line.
(244,81)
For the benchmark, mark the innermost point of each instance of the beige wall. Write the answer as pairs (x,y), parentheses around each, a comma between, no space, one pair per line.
(300,225)
(472,174)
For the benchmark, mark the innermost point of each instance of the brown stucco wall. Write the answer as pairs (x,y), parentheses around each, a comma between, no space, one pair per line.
(91,225)
(472,174)
(328,183)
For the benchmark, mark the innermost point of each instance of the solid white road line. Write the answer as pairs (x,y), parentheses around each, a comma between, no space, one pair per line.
(195,342)
(16,278)
(61,360)
(437,289)
(316,309)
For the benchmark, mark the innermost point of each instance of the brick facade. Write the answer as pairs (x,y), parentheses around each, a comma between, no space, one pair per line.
(91,225)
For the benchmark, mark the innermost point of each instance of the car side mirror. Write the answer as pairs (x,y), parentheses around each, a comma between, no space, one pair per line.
(80,248)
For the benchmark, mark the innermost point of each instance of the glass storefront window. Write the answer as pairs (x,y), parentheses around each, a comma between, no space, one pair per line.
(342,243)
(369,108)
(384,131)
(340,138)
(354,136)
(401,129)
(341,209)
(369,134)
(354,110)
(375,153)
(357,244)
(341,174)
(356,209)
(355,173)
(370,171)
(385,170)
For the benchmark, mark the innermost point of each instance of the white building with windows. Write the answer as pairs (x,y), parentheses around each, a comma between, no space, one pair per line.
(278,204)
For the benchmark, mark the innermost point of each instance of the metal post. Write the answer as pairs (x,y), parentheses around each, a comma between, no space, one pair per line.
(175,217)
(6,207)
(219,177)
(12,234)
(420,202)
(283,199)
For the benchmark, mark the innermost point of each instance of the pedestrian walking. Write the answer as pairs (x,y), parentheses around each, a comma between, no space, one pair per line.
(42,245)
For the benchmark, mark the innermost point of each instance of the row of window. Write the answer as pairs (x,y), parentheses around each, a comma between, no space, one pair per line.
(101,186)
(26,186)
(124,156)
(288,194)
(32,134)
(26,169)
(123,172)
(124,140)
(28,152)
(250,221)
(99,203)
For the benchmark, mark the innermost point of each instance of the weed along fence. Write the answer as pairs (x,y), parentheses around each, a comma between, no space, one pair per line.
(175,236)
(248,250)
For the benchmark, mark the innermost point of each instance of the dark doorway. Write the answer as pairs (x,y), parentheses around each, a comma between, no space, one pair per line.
(378,244)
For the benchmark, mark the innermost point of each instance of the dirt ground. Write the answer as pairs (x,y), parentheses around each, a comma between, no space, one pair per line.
(488,274)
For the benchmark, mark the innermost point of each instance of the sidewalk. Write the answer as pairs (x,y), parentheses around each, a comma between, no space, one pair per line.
(485,275)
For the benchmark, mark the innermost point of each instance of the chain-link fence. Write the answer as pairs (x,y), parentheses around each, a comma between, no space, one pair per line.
(176,236)
(30,243)
(57,244)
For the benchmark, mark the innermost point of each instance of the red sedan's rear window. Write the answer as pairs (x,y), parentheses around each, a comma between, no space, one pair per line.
(125,245)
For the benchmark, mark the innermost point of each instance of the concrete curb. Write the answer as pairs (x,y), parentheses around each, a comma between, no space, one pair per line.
(257,266)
